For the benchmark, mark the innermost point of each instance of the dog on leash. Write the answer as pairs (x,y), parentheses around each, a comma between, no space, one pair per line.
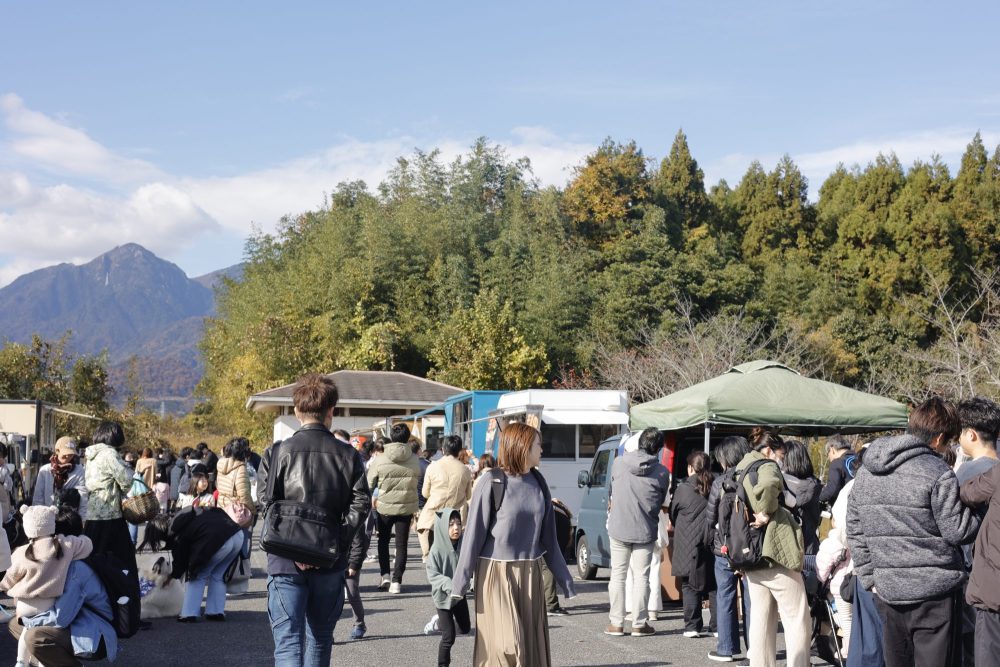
(162,596)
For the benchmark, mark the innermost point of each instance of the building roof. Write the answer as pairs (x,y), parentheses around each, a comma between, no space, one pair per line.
(368,387)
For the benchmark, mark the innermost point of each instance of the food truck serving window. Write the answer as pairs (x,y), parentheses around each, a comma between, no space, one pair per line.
(558,441)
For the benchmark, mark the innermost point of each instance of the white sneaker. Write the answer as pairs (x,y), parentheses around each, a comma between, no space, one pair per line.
(692,634)
(432,626)
(652,615)
(384,584)
(394,587)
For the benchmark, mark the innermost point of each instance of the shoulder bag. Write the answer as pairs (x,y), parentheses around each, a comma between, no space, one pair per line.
(299,531)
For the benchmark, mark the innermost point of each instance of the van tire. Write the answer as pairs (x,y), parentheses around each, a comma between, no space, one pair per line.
(584,569)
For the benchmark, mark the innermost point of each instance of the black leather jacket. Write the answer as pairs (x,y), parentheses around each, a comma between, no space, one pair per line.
(314,467)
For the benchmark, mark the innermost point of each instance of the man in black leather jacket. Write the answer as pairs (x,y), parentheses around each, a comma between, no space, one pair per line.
(313,467)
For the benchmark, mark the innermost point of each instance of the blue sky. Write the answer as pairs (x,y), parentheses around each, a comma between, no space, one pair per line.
(180,125)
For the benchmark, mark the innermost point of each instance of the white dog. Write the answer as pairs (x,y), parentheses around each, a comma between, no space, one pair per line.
(165,596)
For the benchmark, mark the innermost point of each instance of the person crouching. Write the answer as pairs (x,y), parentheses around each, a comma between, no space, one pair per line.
(442,560)
(203,541)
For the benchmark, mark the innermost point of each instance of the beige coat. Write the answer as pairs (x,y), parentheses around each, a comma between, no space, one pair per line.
(147,469)
(447,483)
(233,483)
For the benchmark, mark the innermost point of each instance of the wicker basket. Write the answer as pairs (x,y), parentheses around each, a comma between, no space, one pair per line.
(142,507)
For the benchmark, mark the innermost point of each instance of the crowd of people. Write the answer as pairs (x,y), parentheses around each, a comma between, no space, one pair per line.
(904,574)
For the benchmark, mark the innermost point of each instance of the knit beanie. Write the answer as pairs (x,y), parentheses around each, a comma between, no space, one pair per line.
(39,520)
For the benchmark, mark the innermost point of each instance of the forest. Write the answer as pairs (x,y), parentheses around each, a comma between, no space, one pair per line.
(634,275)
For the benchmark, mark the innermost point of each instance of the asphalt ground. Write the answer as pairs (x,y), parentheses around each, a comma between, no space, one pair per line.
(395,631)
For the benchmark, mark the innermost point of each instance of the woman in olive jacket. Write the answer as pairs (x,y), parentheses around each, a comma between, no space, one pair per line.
(692,558)
(775,584)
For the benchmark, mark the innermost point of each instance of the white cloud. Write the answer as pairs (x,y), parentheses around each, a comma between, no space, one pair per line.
(61,149)
(67,223)
(101,199)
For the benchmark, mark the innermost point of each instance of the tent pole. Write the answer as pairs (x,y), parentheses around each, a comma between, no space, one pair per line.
(708,433)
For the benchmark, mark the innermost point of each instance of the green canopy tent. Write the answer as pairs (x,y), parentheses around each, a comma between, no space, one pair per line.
(766,393)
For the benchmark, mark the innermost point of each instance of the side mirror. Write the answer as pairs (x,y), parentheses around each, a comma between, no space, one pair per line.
(583,479)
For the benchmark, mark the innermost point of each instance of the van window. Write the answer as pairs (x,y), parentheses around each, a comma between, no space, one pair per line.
(599,471)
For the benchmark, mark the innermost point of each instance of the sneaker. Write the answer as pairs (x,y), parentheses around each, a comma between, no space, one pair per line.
(359,631)
(395,587)
(718,657)
(385,583)
(615,630)
(432,626)
(558,611)
(187,619)
(371,558)
(653,615)
(692,634)
(215,617)
(643,631)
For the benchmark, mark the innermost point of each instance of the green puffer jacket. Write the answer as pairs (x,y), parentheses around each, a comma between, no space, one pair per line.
(395,474)
(783,543)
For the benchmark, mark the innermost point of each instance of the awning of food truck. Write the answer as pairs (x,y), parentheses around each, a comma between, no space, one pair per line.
(766,393)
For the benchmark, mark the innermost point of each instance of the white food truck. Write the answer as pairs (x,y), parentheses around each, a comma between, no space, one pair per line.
(573,423)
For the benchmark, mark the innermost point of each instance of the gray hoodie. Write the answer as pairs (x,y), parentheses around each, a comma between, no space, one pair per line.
(905,522)
(639,484)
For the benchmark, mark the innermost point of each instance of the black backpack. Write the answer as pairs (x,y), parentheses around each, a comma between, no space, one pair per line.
(742,543)
(122,590)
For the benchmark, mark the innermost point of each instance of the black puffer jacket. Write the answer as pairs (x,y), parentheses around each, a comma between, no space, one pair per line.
(692,557)
(712,537)
(905,522)
(315,468)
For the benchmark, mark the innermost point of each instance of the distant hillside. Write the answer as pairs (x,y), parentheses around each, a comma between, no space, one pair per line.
(129,302)
(211,280)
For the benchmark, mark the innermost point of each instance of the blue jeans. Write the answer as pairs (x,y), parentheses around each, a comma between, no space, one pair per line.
(133,532)
(211,574)
(728,619)
(303,609)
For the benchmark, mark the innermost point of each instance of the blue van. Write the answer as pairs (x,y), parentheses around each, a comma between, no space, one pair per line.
(593,548)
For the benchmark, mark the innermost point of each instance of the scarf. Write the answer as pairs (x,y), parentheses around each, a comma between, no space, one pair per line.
(60,472)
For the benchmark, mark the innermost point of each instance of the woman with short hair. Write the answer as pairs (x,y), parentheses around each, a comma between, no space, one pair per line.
(505,550)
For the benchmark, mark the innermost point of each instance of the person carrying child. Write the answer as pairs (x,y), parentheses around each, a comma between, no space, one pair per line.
(442,560)
(38,570)
(200,491)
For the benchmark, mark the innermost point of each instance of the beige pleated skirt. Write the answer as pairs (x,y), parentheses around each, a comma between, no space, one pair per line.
(512,628)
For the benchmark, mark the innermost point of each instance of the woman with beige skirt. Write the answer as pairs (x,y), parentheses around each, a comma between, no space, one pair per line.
(510,529)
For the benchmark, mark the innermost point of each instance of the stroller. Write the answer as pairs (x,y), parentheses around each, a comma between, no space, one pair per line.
(826,642)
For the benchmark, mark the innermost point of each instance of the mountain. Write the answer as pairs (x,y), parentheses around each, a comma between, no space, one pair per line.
(214,279)
(129,302)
